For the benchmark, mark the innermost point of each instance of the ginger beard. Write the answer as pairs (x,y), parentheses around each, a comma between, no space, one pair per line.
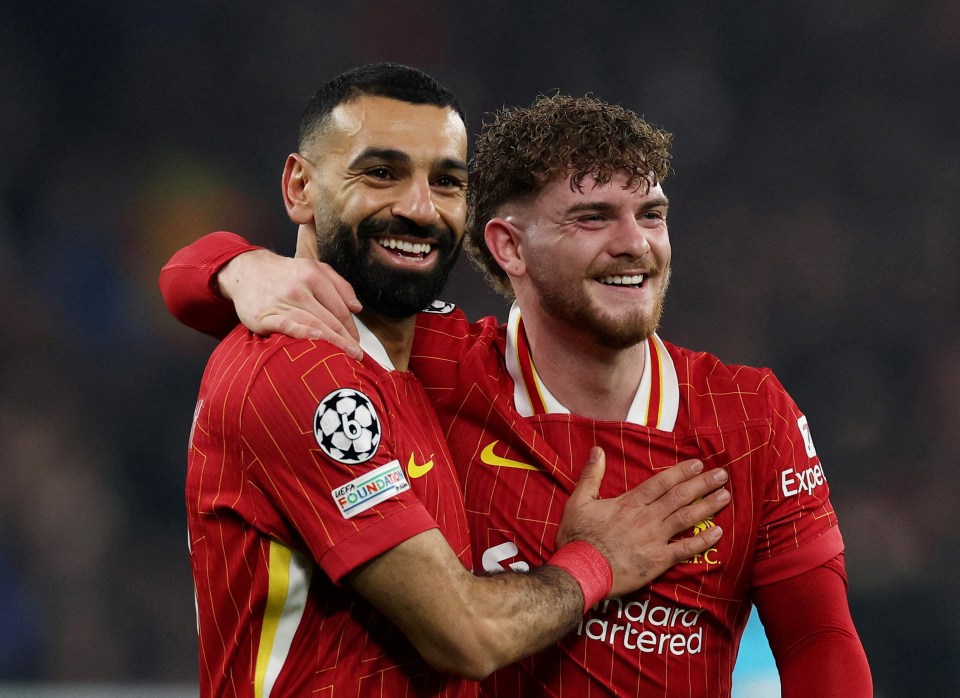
(395,293)
(568,302)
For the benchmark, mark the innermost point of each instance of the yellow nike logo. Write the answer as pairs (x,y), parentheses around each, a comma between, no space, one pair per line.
(415,471)
(491,458)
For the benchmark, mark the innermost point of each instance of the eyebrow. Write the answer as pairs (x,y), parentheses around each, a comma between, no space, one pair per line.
(605,207)
(398,157)
(657,202)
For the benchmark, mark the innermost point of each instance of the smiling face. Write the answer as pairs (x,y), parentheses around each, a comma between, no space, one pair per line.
(595,261)
(385,183)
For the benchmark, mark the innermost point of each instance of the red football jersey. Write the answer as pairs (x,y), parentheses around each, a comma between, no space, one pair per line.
(303,464)
(520,452)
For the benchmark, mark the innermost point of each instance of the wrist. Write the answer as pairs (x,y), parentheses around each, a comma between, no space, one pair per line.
(228,277)
(588,567)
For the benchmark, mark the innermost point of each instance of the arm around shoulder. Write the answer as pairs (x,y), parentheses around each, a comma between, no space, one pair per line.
(188,283)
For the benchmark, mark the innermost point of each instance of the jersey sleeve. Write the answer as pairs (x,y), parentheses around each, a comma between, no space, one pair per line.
(188,283)
(812,636)
(799,529)
(443,341)
(321,451)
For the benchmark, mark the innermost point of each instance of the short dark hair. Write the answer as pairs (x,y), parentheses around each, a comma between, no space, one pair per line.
(391,80)
(523,148)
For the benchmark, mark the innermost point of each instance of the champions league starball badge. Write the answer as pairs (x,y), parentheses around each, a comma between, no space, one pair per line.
(347,427)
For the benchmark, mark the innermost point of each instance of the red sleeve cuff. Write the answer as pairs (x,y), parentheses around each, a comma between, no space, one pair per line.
(375,540)
(188,283)
(803,559)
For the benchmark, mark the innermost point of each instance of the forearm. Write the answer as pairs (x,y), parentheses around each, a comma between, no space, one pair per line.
(812,635)
(515,614)
(462,623)
(828,664)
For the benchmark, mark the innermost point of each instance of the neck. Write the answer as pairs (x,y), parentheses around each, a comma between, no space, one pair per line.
(588,379)
(396,336)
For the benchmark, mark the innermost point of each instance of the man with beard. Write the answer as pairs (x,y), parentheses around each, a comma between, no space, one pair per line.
(568,215)
(328,538)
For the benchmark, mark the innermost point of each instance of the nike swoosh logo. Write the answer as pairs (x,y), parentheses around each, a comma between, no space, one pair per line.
(415,471)
(491,458)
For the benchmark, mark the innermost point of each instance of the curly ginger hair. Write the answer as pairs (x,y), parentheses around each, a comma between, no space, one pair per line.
(524,148)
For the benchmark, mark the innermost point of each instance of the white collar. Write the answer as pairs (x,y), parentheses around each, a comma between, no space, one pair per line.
(372,346)
(656,403)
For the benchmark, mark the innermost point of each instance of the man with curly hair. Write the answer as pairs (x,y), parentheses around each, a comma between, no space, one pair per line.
(327,529)
(567,215)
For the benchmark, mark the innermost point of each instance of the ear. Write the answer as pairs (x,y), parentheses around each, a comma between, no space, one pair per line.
(296,180)
(505,241)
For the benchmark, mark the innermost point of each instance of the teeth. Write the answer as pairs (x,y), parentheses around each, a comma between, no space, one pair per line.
(420,248)
(617,280)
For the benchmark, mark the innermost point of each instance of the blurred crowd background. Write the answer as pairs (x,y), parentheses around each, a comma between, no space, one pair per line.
(815,222)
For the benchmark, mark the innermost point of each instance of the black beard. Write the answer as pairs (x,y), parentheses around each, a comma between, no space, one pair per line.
(385,290)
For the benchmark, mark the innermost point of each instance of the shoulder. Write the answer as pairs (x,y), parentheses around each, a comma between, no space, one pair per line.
(702,366)
(297,364)
(704,374)
(446,325)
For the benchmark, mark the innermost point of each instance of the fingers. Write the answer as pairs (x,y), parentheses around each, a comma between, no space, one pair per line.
(661,483)
(317,323)
(345,290)
(687,488)
(296,325)
(330,316)
(687,548)
(686,517)
(334,296)
(330,299)
(317,288)
(299,297)
(588,486)
(691,490)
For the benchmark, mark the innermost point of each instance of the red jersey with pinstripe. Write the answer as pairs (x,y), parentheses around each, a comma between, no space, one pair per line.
(519,452)
(277,518)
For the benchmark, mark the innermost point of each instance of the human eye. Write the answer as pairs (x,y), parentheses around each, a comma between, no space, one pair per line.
(380,172)
(654,216)
(449,182)
(593,219)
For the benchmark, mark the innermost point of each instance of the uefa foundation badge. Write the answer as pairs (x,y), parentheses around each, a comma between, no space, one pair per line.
(370,489)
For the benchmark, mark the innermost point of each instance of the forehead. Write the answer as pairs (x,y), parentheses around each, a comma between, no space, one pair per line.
(425,132)
(560,194)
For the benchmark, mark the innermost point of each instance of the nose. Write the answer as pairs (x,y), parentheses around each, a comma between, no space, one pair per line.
(631,239)
(415,202)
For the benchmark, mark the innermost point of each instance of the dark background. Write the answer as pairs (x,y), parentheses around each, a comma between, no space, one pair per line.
(814,222)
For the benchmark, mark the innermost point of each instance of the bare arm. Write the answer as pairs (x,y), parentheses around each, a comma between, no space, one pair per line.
(471,625)
(464,624)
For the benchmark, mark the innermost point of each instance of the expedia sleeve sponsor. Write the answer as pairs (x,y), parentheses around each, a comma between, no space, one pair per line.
(794,482)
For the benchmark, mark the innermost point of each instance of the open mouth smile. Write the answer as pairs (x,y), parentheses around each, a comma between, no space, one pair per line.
(405,248)
(627,280)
